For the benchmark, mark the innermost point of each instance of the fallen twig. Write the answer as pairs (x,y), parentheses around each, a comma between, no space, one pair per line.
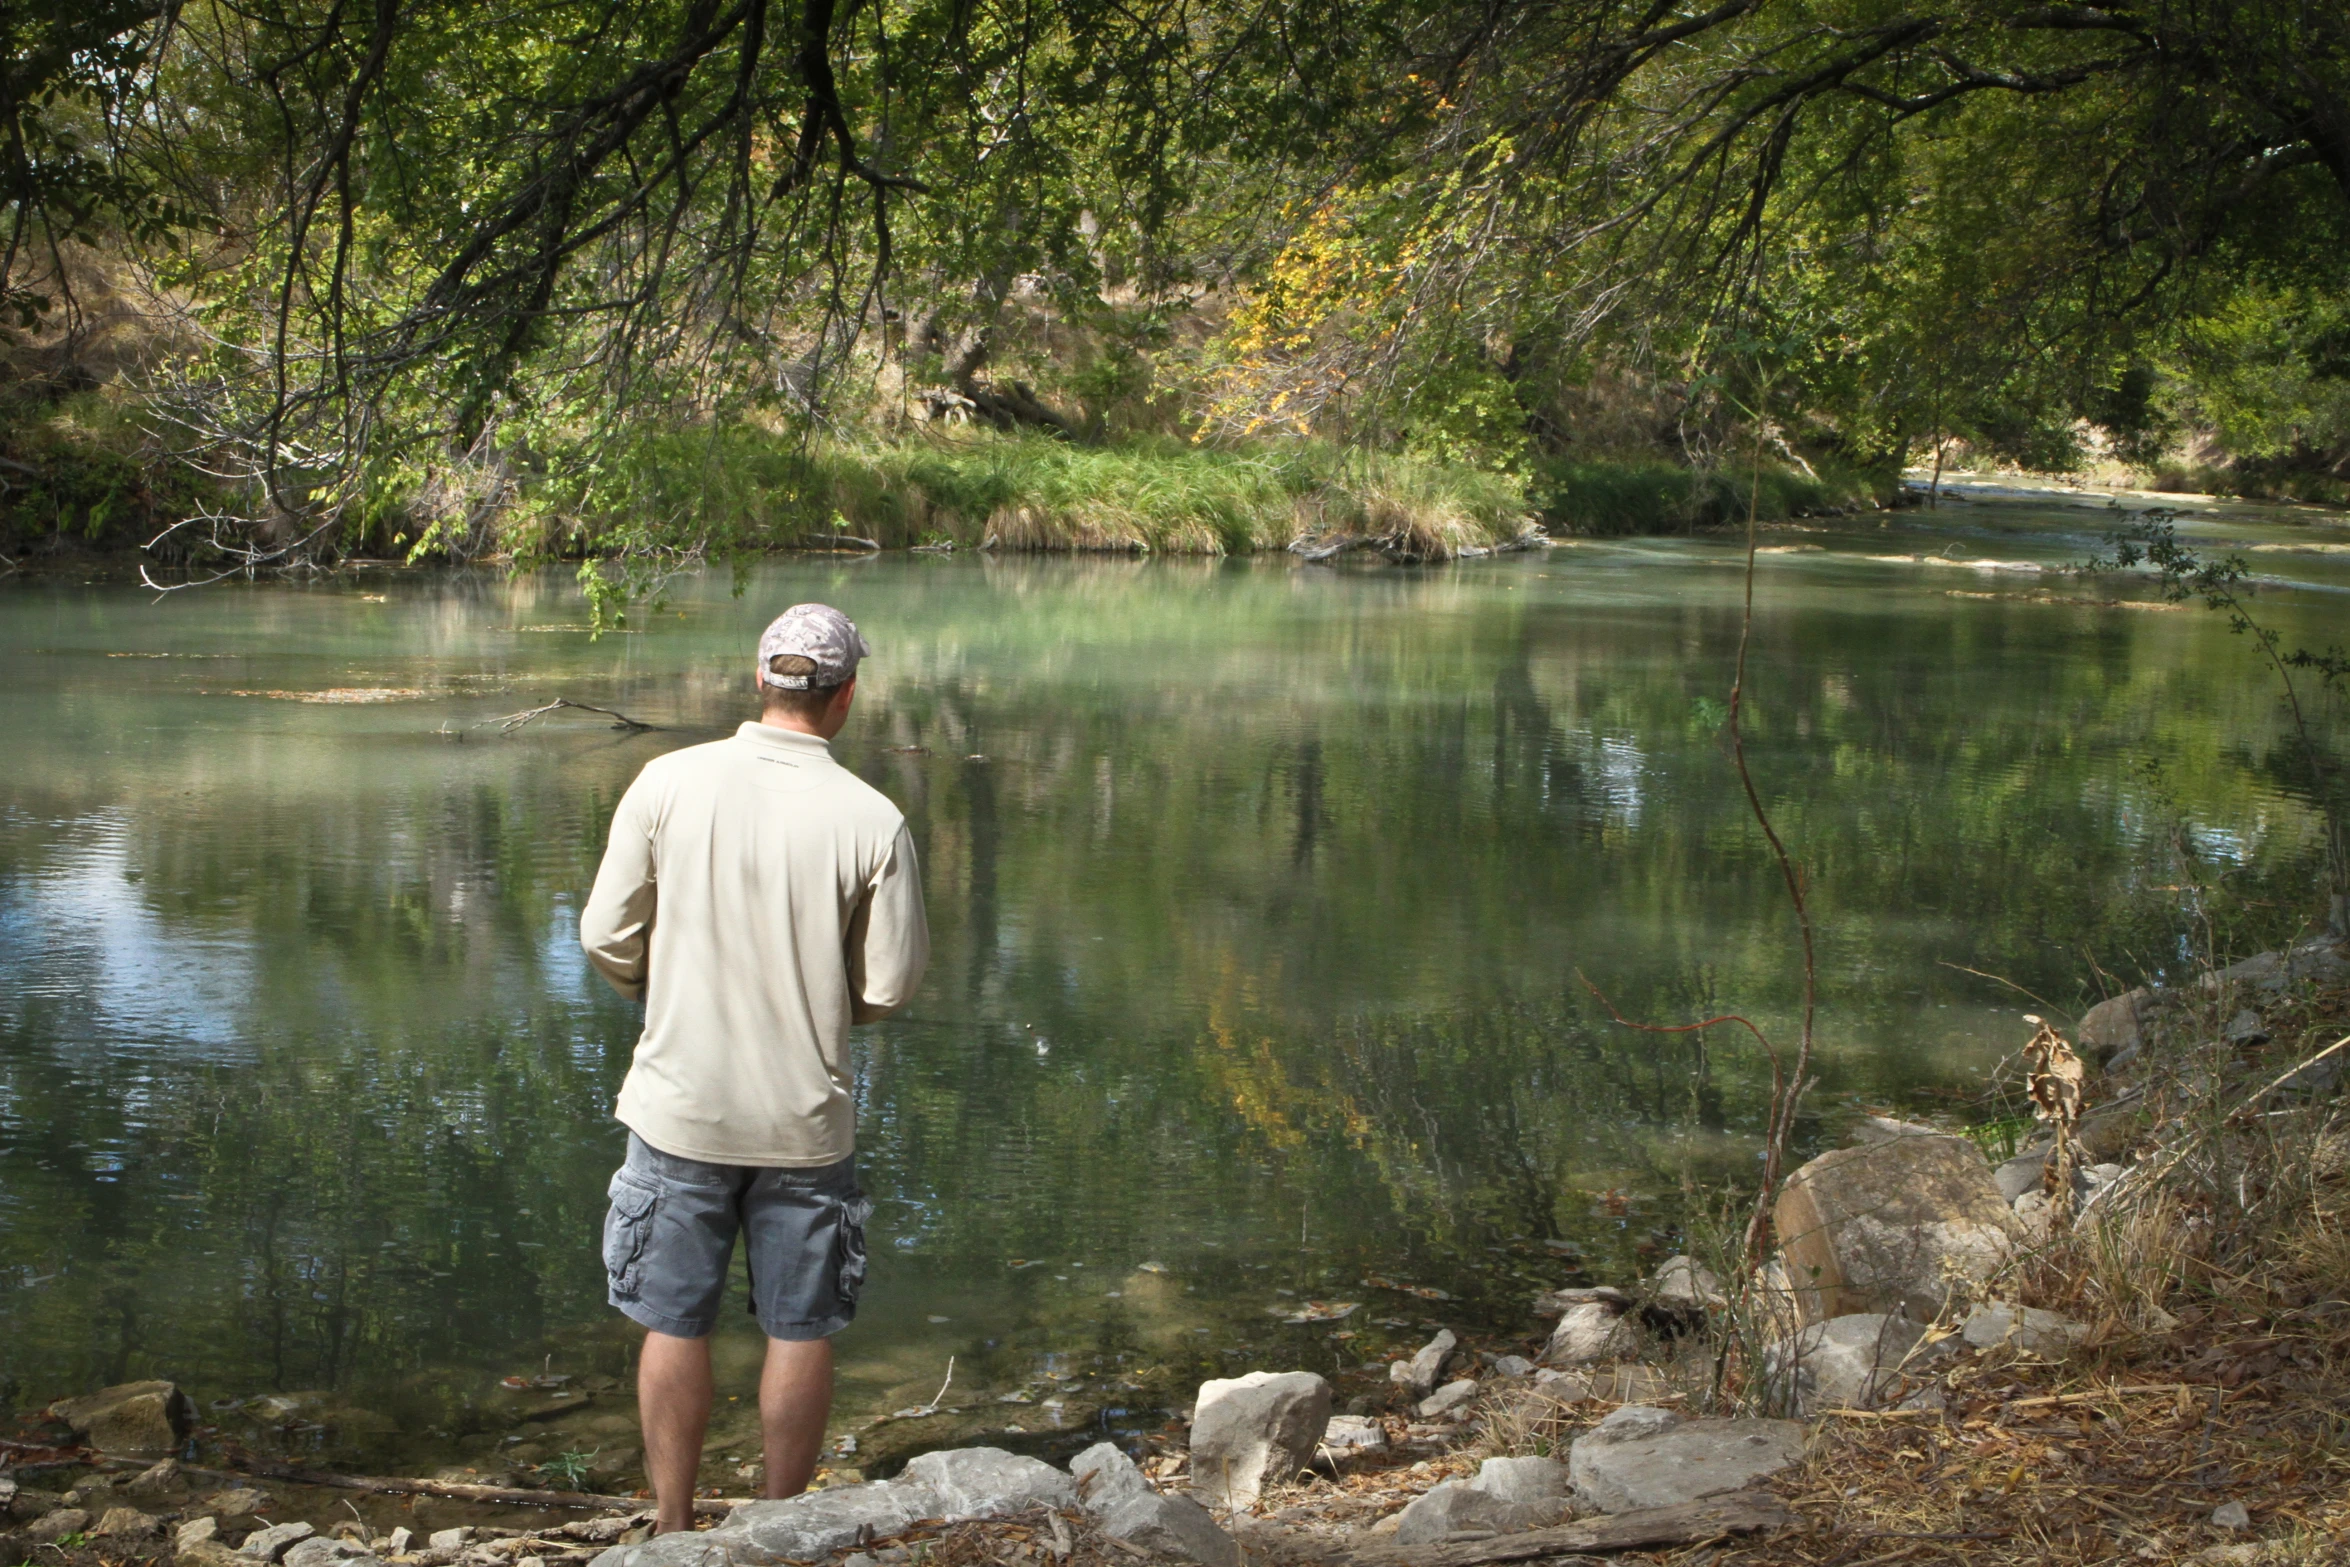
(837,541)
(520,1496)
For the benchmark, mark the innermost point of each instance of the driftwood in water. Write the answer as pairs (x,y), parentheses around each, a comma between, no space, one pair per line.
(1646,1529)
(513,721)
(837,541)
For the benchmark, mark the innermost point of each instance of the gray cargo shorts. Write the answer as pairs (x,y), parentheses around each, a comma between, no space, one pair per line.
(669,1238)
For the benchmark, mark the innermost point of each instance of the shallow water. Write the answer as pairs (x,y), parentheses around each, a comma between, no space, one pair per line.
(1260,897)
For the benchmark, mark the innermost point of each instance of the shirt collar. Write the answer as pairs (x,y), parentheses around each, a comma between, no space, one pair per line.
(783,739)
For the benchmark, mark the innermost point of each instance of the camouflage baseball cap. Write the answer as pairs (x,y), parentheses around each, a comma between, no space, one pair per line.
(818,633)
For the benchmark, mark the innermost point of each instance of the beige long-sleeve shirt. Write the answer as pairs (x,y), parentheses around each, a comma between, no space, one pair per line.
(759,898)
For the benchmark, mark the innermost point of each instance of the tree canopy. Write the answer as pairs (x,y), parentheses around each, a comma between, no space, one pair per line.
(375,232)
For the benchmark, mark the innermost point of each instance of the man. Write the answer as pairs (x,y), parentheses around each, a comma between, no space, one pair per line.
(758,898)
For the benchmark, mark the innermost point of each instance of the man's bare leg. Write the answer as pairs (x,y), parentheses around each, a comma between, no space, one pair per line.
(673,1392)
(795,1396)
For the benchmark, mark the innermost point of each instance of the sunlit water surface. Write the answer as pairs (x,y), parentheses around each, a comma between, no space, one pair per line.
(1262,898)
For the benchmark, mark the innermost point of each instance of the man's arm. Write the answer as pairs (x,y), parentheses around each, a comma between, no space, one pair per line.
(889,937)
(618,919)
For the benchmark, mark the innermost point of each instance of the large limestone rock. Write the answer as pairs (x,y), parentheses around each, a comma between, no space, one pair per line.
(1115,1492)
(1253,1431)
(2324,961)
(55,1525)
(987,1482)
(1862,1361)
(136,1417)
(128,1523)
(1635,1459)
(1418,1375)
(956,1485)
(1891,1226)
(1685,1287)
(2124,1023)
(272,1543)
(1449,1402)
(1522,1479)
(319,1551)
(1996,1325)
(1591,1331)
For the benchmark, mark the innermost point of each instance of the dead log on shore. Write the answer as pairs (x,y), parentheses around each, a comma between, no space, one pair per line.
(518,1496)
(1646,1529)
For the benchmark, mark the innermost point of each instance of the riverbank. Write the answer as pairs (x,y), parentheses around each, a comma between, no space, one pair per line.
(89,478)
(2117,1333)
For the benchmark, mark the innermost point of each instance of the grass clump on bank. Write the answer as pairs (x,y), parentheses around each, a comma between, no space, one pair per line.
(1616,497)
(746,489)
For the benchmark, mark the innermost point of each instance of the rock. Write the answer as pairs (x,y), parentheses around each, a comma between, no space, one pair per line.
(396,1543)
(56,1524)
(1512,1366)
(1633,1423)
(2244,1029)
(156,1477)
(272,1543)
(128,1523)
(209,1553)
(195,1532)
(2123,1023)
(1552,1302)
(1353,1434)
(1446,1399)
(1458,1508)
(1592,1330)
(320,1552)
(1630,1385)
(1418,1375)
(1568,1387)
(1115,1492)
(954,1485)
(2107,1132)
(2324,961)
(1684,1287)
(1850,1362)
(2041,1333)
(806,1527)
(1522,1479)
(235,1504)
(1892,1226)
(2231,1515)
(987,1482)
(1678,1462)
(1883,1128)
(1252,1431)
(2035,1212)
(2026,1172)
(136,1417)
(451,1539)
(2313,1077)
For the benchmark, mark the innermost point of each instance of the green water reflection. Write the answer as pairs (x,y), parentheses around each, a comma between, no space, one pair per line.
(1258,895)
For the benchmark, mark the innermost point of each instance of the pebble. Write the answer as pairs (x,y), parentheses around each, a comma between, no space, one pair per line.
(2232,1515)
(196,1531)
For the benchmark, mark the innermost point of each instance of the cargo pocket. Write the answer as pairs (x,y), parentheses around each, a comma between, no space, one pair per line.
(854,1211)
(626,1229)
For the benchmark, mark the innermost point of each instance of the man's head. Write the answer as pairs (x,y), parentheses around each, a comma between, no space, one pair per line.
(808,669)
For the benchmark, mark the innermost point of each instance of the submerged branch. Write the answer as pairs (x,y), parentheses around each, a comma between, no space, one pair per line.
(513,721)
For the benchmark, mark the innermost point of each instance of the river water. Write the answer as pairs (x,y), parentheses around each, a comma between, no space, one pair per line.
(1262,899)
